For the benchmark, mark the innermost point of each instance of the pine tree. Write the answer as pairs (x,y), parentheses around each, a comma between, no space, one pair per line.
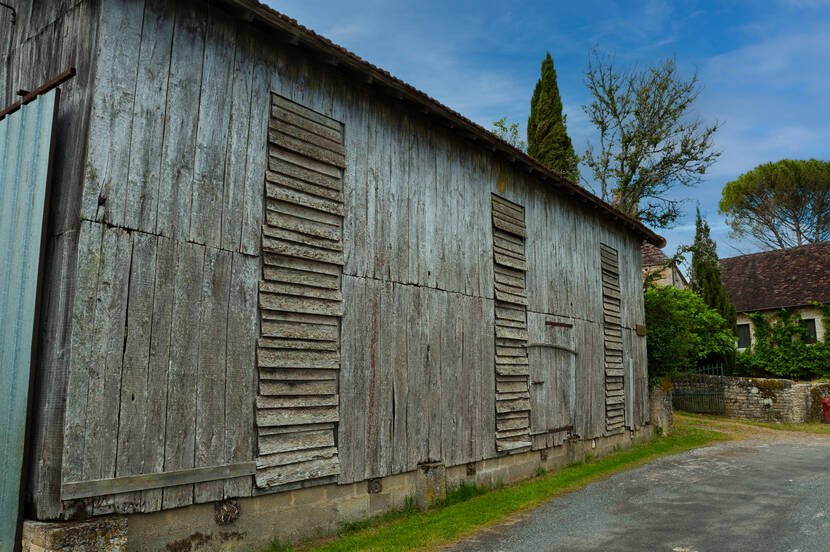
(547,135)
(705,280)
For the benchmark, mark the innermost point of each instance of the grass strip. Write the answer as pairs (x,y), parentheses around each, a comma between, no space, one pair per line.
(416,530)
(711,420)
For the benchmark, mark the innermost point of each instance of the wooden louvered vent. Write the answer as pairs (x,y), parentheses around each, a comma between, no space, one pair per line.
(512,371)
(299,297)
(612,335)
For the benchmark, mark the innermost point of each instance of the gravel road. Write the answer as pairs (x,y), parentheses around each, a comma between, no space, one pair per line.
(768,493)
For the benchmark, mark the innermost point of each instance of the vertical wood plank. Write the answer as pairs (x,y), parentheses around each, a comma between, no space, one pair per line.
(237,143)
(240,388)
(257,158)
(134,407)
(108,345)
(180,438)
(141,198)
(180,128)
(355,184)
(212,131)
(210,385)
(155,422)
(110,127)
(81,357)
(400,388)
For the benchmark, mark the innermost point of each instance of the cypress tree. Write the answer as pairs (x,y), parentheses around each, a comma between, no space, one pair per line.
(705,280)
(547,135)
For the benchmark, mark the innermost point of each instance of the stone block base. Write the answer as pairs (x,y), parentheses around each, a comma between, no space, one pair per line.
(313,512)
(104,534)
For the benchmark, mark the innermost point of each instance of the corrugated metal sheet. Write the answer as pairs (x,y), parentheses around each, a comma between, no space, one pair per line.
(25,144)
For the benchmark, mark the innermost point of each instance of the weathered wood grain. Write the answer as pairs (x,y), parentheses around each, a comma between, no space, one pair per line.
(141,201)
(101,441)
(271,444)
(211,384)
(240,388)
(180,438)
(159,362)
(134,406)
(233,190)
(257,157)
(111,119)
(181,123)
(208,185)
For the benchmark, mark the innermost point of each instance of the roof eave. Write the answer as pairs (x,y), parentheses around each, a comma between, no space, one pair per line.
(373,75)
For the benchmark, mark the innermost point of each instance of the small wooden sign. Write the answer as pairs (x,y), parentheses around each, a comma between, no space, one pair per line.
(641,330)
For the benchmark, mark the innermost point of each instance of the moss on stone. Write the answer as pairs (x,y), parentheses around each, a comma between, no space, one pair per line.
(769,388)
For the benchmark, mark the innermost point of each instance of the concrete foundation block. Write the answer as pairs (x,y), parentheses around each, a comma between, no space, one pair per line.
(105,534)
(431,483)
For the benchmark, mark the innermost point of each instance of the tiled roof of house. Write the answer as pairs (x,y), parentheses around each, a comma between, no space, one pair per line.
(652,255)
(335,54)
(777,279)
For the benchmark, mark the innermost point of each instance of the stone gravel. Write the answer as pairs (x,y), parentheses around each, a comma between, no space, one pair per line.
(771,492)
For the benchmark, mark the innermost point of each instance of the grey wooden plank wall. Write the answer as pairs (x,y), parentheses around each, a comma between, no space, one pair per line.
(151,386)
(183,207)
(46,39)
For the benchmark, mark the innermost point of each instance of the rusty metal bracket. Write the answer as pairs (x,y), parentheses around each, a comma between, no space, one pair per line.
(42,89)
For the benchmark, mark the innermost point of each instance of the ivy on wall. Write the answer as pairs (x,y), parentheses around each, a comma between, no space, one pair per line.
(780,348)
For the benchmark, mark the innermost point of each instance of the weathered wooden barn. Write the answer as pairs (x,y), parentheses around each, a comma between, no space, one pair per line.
(271,265)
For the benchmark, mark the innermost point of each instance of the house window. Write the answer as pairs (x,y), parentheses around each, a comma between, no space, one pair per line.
(810,326)
(743,336)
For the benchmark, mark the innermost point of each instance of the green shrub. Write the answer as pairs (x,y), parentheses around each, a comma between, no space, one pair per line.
(682,332)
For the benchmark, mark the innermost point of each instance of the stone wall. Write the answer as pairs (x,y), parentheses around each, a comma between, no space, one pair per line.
(770,400)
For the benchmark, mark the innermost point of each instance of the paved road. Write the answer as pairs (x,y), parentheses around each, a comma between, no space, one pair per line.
(740,495)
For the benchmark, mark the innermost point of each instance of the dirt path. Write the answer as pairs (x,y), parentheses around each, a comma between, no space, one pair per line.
(741,431)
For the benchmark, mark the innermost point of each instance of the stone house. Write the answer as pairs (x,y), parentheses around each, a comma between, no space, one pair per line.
(771,280)
(654,261)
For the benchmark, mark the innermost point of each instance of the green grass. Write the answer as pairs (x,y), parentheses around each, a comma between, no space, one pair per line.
(468,507)
(712,421)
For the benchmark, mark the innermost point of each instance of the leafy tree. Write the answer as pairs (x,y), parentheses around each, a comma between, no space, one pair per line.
(780,205)
(509,133)
(648,141)
(682,331)
(705,280)
(547,135)
(780,347)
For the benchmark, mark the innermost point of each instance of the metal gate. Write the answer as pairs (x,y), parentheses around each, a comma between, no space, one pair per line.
(700,390)
(26,137)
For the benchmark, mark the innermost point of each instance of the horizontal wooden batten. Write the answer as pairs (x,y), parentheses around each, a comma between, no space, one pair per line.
(296,129)
(278,101)
(512,399)
(307,149)
(302,186)
(300,298)
(142,482)
(612,342)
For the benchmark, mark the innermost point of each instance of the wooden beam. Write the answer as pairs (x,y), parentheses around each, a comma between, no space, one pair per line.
(129,483)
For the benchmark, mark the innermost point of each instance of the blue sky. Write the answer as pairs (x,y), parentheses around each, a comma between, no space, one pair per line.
(764,65)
